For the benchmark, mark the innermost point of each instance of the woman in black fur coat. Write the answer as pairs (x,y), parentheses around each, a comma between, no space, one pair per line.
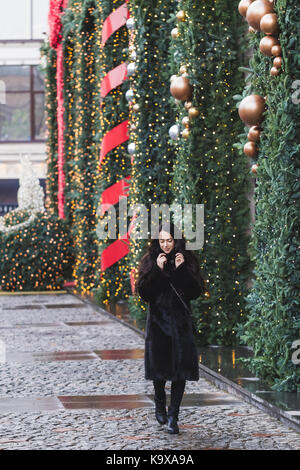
(170,350)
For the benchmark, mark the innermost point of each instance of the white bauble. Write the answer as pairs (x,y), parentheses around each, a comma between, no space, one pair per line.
(131,148)
(131,68)
(129,95)
(174,132)
(130,23)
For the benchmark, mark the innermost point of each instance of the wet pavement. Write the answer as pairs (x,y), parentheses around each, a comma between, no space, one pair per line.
(73,378)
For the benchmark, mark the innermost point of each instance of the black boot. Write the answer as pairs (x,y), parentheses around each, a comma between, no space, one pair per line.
(160,411)
(172,426)
(160,401)
(177,391)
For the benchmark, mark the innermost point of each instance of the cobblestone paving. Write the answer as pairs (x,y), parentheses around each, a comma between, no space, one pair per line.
(236,425)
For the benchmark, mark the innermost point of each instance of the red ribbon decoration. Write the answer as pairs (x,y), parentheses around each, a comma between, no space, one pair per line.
(113,79)
(60,132)
(114,21)
(111,194)
(55,27)
(117,250)
(115,137)
(54,21)
(114,252)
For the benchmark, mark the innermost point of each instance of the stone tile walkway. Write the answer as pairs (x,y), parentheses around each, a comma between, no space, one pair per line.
(69,382)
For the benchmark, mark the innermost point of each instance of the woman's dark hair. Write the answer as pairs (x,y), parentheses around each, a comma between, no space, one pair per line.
(149,258)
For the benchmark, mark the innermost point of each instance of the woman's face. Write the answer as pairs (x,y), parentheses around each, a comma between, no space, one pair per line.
(166,241)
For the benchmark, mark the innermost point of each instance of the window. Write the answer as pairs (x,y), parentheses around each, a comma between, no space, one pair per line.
(22,104)
(23,19)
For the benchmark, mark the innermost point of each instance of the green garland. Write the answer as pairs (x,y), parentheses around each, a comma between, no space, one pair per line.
(208,169)
(273,322)
(49,55)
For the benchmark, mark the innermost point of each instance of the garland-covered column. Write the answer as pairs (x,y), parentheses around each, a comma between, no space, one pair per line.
(55,12)
(273,322)
(81,110)
(151,115)
(114,164)
(206,50)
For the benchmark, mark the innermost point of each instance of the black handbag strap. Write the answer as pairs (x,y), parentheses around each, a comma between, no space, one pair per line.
(194,328)
(179,296)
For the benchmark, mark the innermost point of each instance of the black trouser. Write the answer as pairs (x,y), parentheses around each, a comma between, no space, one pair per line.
(177,390)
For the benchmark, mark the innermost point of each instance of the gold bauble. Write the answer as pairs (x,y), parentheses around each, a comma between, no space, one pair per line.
(185,121)
(254,134)
(185,133)
(256,11)
(254,168)
(193,112)
(207,294)
(269,24)
(277,62)
(251,110)
(173,77)
(175,33)
(276,50)
(180,15)
(181,89)
(274,72)
(266,45)
(243,7)
(136,107)
(250,149)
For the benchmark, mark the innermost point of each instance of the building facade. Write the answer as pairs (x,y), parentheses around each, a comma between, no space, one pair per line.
(23,28)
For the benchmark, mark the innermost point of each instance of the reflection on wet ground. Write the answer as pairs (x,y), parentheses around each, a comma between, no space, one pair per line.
(35,307)
(106,354)
(108,402)
(117,354)
(225,361)
(29,404)
(16,356)
(47,325)
(64,305)
(120,310)
(24,307)
(105,401)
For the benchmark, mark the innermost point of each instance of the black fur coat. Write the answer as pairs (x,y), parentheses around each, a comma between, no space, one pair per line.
(170,350)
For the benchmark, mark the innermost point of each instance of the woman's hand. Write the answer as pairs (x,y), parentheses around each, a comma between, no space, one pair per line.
(161,260)
(179,259)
